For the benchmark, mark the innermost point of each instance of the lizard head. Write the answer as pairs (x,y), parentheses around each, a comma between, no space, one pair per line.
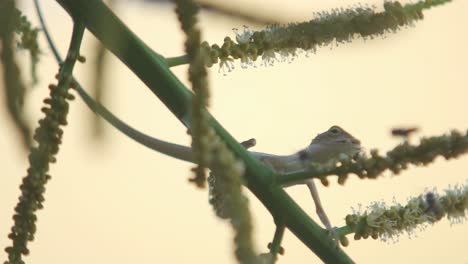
(333,142)
(336,135)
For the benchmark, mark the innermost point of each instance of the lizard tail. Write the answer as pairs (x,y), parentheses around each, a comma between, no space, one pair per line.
(167,148)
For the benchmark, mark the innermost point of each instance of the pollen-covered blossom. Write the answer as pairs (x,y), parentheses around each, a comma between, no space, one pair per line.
(327,28)
(269,58)
(288,54)
(226,64)
(455,200)
(243,37)
(389,222)
(246,61)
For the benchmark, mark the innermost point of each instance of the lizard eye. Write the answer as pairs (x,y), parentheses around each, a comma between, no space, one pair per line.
(334,130)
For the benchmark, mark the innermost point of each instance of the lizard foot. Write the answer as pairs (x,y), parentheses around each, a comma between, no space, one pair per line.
(334,235)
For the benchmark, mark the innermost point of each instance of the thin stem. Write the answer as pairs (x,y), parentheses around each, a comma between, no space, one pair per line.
(344,230)
(275,246)
(46,32)
(176,61)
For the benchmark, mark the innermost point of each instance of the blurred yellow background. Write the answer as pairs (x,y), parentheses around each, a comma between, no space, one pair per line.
(114,201)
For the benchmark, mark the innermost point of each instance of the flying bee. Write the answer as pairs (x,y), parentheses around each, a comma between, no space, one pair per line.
(403,132)
(433,206)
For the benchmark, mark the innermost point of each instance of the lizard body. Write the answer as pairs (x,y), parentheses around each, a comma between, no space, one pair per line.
(324,148)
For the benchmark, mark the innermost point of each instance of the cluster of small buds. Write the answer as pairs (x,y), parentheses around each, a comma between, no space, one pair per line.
(225,178)
(28,39)
(201,143)
(339,25)
(218,199)
(49,136)
(12,21)
(225,195)
(449,146)
(389,222)
(187,14)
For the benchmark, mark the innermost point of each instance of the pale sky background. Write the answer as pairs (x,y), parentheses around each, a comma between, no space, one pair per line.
(117,202)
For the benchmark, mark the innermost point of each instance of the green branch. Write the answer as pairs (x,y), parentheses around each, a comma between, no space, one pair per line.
(152,69)
(449,146)
(48,135)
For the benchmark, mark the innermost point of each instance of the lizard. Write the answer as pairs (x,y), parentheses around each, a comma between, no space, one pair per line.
(324,148)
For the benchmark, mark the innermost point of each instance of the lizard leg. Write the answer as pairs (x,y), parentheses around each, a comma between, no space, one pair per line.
(320,211)
(249,143)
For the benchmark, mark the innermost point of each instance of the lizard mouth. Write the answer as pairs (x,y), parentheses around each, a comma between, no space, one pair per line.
(352,141)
